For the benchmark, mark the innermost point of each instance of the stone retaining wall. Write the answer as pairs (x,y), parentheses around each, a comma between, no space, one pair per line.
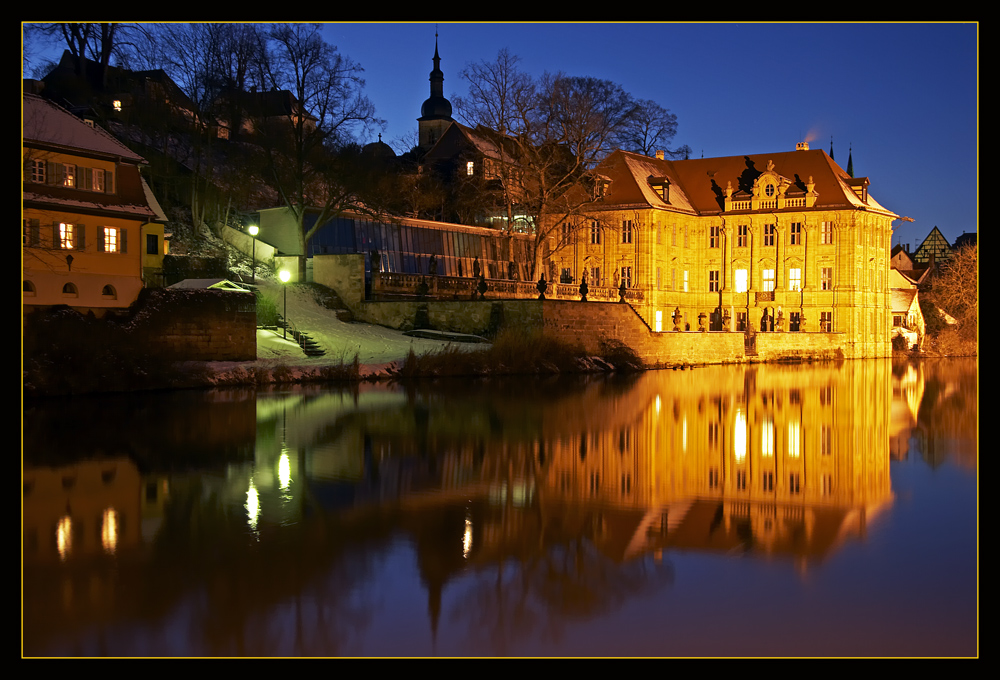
(197,325)
(583,323)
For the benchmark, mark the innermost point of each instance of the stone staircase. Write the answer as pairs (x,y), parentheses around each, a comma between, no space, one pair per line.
(309,346)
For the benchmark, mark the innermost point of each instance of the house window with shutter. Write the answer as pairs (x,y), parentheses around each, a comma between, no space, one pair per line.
(37,171)
(97,180)
(112,238)
(65,236)
(69,175)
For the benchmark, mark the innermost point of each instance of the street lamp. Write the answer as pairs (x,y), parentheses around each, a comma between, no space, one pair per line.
(253,229)
(284,276)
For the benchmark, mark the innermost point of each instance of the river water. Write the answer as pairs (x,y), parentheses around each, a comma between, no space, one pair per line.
(769,510)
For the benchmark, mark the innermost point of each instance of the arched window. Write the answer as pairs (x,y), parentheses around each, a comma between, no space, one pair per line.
(69,289)
(109,292)
(28,287)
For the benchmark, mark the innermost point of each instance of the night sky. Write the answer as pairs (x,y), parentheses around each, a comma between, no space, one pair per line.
(902,97)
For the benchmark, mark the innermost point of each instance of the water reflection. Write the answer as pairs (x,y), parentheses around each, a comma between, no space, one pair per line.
(287,521)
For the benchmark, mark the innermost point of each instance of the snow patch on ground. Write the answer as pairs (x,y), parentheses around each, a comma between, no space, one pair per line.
(377,348)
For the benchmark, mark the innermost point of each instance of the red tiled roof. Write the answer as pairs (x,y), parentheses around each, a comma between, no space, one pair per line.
(702,182)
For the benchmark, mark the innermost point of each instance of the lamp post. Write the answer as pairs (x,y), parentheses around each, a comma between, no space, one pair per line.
(253,229)
(284,276)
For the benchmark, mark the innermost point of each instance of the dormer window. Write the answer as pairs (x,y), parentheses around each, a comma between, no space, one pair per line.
(769,190)
(602,188)
(661,185)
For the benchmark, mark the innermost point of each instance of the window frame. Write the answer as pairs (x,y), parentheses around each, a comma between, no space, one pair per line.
(767,280)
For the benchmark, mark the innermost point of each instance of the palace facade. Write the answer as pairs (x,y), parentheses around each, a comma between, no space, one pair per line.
(779,242)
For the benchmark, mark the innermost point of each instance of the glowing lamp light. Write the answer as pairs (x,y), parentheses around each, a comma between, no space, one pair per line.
(253,229)
(284,275)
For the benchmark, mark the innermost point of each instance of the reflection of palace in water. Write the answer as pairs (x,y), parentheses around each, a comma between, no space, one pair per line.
(775,460)
(784,460)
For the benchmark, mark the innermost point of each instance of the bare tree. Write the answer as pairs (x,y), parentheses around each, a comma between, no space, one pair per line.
(548,135)
(956,288)
(651,128)
(308,143)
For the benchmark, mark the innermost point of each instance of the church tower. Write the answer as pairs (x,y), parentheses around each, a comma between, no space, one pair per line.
(435,114)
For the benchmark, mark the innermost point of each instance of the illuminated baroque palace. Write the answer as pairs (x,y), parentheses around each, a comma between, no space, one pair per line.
(785,241)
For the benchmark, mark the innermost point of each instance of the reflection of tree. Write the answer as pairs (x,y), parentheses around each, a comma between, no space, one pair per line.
(294,590)
(567,579)
(948,417)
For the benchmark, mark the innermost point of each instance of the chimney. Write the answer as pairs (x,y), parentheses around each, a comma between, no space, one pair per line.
(802,146)
(659,155)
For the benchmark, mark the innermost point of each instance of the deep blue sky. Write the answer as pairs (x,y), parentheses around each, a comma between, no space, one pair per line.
(903,97)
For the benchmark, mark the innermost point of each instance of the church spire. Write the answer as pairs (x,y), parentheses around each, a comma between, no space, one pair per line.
(850,162)
(831,147)
(435,114)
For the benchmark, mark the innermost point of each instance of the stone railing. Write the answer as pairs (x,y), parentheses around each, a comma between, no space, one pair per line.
(447,287)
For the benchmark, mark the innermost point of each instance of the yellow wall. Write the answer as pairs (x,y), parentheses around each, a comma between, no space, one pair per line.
(45,266)
(675,243)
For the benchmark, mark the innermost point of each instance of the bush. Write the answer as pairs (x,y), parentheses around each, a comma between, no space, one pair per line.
(267,310)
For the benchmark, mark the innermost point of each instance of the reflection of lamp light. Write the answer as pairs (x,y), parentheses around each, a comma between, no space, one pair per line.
(284,276)
(253,229)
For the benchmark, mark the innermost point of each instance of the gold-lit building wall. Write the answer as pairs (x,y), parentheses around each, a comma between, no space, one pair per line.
(819,257)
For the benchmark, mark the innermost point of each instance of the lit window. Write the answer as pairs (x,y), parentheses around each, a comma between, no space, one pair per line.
(685,281)
(826,233)
(740,280)
(117,104)
(109,530)
(767,438)
(740,435)
(794,279)
(659,320)
(65,236)
(470,168)
(793,439)
(768,279)
(69,175)
(97,180)
(111,236)
(826,278)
